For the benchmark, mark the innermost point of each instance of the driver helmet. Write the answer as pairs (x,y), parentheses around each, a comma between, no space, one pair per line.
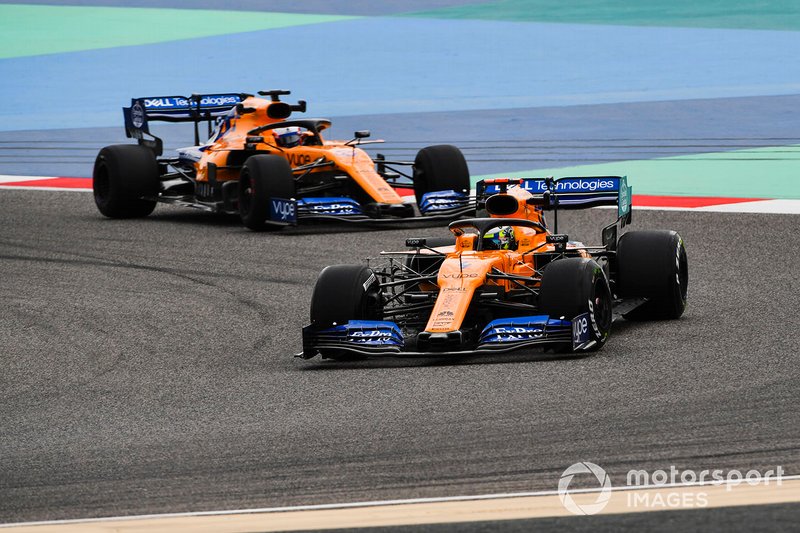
(288,137)
(500,238)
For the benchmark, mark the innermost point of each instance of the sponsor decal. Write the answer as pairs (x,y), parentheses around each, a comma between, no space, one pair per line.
(370,281)
(517,329)
(162,103)
(539,186)
(454,289)
(448,299)
(577,185)
(137,115)
(445,313)
(331,207)
(299,159)
(557,238)
(371,334)
(516,333)
(172,102)
(678,265)
(580,330)
(593,320)
(282,210)
(624,199)
(461,275)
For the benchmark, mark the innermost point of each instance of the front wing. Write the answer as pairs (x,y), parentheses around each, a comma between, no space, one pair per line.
(439,205)
(375,338)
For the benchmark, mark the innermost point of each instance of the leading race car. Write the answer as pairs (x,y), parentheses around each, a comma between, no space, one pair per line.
(503,282)
(270,170)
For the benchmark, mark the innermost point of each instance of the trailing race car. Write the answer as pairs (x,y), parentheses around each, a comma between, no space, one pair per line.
(503,282)
(270,170)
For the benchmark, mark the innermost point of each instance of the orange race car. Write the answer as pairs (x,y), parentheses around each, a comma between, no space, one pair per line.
(503,282)
(270,170)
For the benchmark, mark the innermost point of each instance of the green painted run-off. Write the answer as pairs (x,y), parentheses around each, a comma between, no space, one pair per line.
(735,14)
(752,173)
(27,30)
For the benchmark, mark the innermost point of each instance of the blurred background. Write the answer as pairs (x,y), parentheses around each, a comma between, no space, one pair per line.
(686,97)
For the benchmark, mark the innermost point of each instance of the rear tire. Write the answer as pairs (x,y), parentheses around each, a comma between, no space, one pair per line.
(577,285)
(440,168)
(343,293)
(653,264)
(263,177)
(123,175)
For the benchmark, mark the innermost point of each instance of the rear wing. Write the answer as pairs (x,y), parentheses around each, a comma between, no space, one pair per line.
(195,108)
(566,193)
(570,193)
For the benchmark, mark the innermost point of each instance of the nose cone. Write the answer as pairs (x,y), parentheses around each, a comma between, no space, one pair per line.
(439,342)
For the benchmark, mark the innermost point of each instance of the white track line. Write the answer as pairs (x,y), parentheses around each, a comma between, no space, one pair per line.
(381,503)
(5,178)
(52,189)
(33,179)
(790,207)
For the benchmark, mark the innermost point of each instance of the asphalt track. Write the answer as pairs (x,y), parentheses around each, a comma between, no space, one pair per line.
(147,368)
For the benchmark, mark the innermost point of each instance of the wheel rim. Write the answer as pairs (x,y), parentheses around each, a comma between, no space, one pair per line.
(246,196)
(602,306)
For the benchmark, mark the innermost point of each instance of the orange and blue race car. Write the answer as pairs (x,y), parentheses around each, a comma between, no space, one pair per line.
(504,281)
(269,169)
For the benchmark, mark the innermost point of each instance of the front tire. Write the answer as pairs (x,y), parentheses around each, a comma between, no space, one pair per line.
(577,285)
(124,176)
(343,293)
(263,177)
(653,264)
(440,168)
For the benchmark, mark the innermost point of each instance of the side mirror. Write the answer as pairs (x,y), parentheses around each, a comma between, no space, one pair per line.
(242,110)
(362,134)
(546,200)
